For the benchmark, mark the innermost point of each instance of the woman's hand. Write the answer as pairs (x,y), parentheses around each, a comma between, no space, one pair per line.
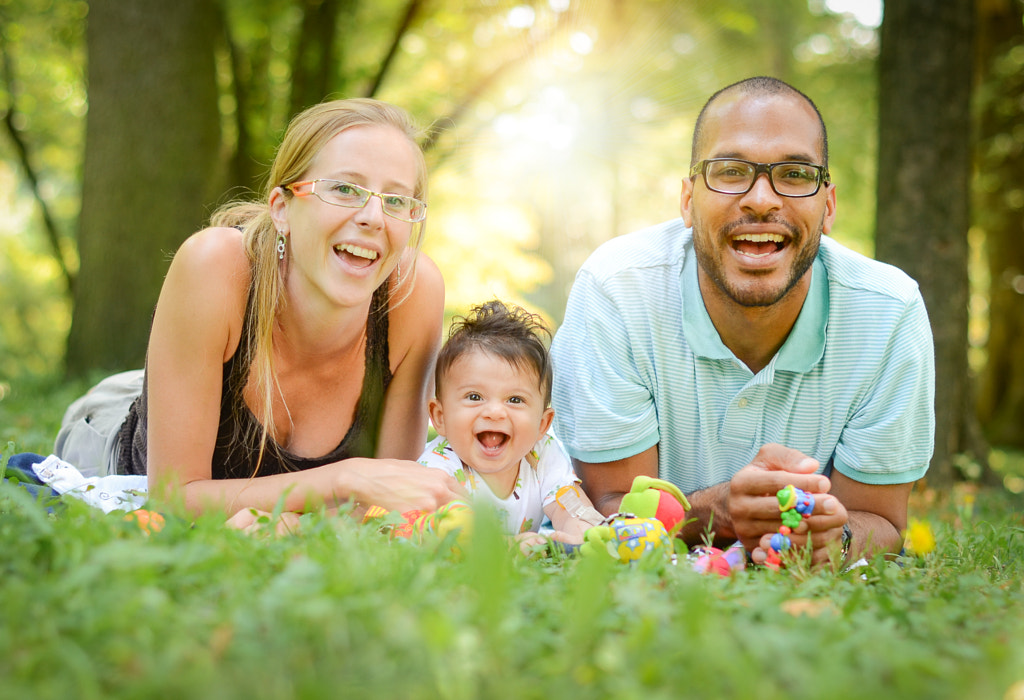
(396,484)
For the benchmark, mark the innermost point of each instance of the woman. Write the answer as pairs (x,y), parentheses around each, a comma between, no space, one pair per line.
(293,340)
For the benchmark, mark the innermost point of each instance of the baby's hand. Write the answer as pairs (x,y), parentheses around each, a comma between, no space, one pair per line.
(532,543)
(250,521)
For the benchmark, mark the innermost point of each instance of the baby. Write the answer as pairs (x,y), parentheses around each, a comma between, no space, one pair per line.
(492,413)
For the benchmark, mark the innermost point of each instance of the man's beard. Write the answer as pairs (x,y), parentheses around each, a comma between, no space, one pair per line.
(753,295)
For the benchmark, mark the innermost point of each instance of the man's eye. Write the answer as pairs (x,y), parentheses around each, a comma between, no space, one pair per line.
(796,173)
(731,170)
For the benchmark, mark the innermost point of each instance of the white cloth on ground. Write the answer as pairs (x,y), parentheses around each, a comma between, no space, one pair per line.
(108,493)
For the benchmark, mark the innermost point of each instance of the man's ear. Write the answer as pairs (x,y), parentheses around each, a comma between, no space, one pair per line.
(685,200)
(830,210)
(436,412)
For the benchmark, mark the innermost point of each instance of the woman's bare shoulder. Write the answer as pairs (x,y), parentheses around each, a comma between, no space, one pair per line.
(417,314)
(216,248)
(207,286)
(424,301)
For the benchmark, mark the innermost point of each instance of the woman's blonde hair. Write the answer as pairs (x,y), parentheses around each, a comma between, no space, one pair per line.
(306,135)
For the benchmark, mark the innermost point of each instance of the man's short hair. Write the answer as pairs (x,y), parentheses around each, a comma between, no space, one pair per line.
(759,85)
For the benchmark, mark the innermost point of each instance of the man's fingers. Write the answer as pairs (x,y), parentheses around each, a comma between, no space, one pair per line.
(756,481)
(775,457)
(820,540)
(765,509)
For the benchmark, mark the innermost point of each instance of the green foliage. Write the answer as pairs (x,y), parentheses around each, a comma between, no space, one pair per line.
(560,125)
(92,607)
(31,409)
(587,135)
(36,313)
(42,94)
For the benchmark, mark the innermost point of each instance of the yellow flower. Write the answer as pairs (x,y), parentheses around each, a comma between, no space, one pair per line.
(919,537)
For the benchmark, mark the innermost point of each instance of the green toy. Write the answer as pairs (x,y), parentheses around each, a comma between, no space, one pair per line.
(657,498)
(651,515)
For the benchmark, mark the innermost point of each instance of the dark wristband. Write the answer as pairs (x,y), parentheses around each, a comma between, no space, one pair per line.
(847,540)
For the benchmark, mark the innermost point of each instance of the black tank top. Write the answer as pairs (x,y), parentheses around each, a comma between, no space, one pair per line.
(238,435)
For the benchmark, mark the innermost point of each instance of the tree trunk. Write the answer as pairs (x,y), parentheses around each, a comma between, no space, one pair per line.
(1000,214)
(150,167)
(925,67)
(315,64)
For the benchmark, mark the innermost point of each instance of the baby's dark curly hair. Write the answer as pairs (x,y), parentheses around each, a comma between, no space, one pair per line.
(506,331)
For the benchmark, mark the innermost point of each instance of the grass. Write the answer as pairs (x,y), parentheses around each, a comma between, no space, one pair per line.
(92,607)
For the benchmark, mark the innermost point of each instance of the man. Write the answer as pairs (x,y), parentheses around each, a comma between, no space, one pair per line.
(737,351)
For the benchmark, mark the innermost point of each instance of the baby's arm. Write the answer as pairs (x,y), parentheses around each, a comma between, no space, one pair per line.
(571,513)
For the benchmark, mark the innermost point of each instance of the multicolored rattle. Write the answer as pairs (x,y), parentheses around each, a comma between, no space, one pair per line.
(794,505)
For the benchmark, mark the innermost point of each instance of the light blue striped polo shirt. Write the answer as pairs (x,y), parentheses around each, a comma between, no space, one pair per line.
(637,362)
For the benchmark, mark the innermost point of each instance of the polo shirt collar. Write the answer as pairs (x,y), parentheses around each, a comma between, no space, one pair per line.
(806,342)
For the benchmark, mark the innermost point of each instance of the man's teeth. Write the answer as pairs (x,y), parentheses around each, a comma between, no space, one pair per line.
(357,251)
(760,237)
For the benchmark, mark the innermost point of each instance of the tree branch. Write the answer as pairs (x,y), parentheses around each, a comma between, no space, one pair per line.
(411,10)
(21,149)
(484,84)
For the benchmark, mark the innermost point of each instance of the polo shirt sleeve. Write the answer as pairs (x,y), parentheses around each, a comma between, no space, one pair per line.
(889,438)
(604,410)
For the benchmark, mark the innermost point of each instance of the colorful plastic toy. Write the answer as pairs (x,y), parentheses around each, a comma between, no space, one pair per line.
(794,505)
(653,512)
(712,560)
(416,524)
(628,539)
(655,498)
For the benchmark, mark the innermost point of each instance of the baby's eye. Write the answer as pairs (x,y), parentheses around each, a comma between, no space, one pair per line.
(473,396)
(515,399)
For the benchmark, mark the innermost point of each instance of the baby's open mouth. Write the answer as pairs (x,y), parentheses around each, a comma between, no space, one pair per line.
(758,245)
(492,441)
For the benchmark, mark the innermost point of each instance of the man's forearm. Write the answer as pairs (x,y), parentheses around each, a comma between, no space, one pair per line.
(708,517)
(871,534)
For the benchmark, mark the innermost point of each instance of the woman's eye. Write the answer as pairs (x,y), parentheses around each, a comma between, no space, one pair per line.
(395,201)
(345,189)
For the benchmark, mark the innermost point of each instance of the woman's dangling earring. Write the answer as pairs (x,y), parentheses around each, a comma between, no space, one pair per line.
(398,273)
(280,245)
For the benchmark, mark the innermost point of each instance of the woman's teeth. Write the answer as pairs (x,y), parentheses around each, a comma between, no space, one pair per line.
(356,250)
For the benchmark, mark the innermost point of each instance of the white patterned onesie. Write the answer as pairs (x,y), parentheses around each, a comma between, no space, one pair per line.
(535,487)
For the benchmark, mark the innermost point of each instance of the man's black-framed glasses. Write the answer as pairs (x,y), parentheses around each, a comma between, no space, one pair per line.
(787,178)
